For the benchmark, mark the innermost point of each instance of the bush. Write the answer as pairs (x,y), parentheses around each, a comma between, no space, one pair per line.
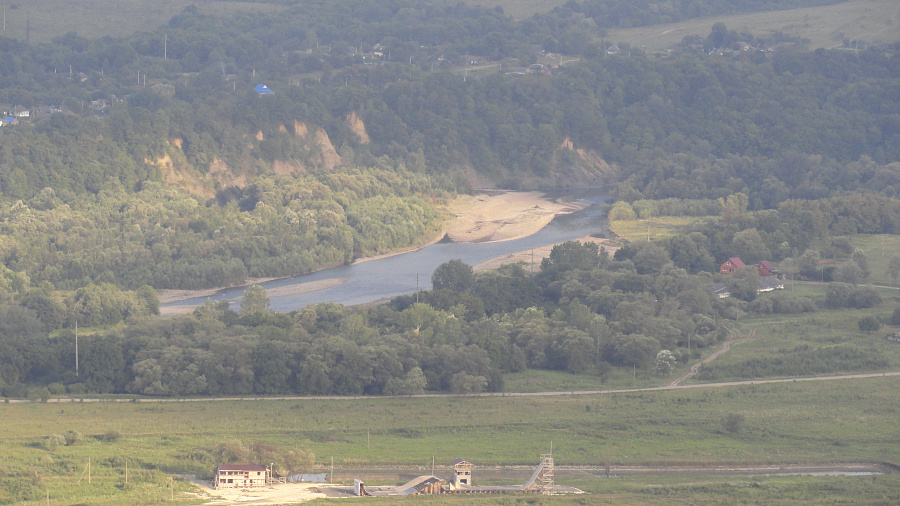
(869,324)
(53,441)
(733,423)
(56,388)
(73,437)
(111,436)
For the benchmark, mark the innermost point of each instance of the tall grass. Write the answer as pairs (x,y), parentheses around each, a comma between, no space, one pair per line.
(849,420)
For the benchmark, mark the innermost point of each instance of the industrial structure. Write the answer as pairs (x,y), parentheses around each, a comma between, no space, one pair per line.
(540,482)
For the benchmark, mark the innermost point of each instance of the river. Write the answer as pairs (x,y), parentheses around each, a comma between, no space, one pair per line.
(388,277)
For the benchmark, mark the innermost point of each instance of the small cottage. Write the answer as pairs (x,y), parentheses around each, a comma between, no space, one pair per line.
(730,265)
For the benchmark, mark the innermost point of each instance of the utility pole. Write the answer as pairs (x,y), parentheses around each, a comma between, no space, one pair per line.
(76,348)
(166,47)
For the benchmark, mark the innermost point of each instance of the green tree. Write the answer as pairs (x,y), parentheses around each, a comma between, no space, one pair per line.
(255,300)
(453,275)
(893,269)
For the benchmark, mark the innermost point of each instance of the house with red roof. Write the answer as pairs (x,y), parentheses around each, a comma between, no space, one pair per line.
(730,265)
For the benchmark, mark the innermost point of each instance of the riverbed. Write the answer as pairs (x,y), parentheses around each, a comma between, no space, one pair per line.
(387,277)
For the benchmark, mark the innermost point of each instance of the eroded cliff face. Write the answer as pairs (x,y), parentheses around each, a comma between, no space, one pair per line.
(312,142)
(571,167)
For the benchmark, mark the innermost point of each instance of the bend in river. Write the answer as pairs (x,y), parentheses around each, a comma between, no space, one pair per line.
(388,277)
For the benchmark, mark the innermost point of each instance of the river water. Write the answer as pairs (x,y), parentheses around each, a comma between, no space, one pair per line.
(384,278)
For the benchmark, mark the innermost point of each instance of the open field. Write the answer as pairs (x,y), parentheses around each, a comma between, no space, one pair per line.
(662,227)
(866,20)
(841,421)
(810,344)
(98,18)
(879,249)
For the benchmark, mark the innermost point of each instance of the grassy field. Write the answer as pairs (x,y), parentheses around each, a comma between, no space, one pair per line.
(866,20)
(98,18)
(879,249)
(841,421)
(662,227)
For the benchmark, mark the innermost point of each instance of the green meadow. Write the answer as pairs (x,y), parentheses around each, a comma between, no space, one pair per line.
(93,19)
(815,422)
(872,21)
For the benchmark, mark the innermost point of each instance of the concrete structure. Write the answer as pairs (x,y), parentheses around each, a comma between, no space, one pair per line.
(240,476)
(462,473)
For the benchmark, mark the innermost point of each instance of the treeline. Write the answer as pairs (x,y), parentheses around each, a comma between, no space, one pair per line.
(584,312)
(168,239)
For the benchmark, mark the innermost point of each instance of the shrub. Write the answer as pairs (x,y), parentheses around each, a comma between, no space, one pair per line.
(73,437)
(733,423)
(869,324)
(53,441)
(111,436)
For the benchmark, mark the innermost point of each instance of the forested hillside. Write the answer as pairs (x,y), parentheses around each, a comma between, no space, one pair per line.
(151,161)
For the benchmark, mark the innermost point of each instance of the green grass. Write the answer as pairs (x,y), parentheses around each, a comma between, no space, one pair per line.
(868,20)
(662,227)
(879,249)
(98,18)
(821,343)
(839,421)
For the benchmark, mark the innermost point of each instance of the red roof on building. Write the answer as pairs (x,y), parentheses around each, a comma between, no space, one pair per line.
(767,265)
(737,262)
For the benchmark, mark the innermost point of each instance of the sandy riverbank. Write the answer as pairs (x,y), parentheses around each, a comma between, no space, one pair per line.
(476,219)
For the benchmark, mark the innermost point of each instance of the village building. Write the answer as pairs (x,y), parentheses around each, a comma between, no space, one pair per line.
(730,265)
(262,89)
(240,476)
(462,473)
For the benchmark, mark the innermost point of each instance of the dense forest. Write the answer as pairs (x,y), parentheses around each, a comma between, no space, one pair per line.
(584,312)
(150,162)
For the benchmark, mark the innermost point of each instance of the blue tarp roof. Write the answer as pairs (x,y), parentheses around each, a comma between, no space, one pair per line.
(262,89)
